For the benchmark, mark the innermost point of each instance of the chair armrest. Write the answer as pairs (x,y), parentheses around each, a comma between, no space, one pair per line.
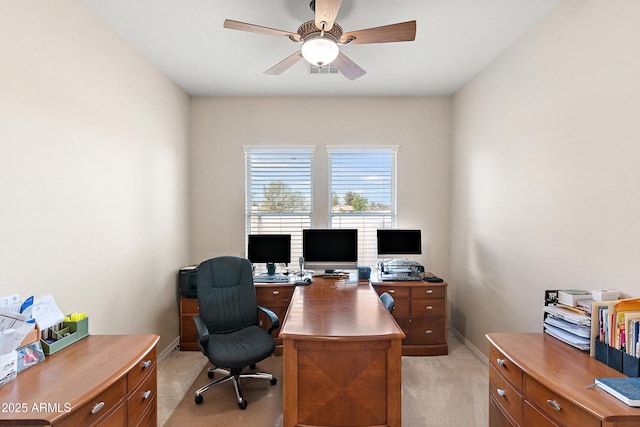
(275,322)
(203,332)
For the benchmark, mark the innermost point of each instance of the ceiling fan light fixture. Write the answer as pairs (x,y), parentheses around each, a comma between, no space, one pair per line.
(320,50)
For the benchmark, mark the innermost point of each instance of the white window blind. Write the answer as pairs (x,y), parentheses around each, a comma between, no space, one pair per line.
(279,192)
(362,193)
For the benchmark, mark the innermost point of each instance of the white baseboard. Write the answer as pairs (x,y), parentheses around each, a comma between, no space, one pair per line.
(164,353)
(480,355)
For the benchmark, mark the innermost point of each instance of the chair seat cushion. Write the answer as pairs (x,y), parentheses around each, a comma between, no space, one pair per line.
(240,348)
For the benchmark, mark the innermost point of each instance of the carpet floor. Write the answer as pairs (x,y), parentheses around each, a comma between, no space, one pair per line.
(437,391)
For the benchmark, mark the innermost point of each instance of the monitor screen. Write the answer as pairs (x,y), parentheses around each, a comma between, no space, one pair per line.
(399,242)
(330,248)
(269,248)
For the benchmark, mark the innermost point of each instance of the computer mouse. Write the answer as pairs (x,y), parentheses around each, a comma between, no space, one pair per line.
(304,282)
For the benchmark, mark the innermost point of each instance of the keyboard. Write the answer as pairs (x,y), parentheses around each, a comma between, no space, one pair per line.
(278,278)
(401,279)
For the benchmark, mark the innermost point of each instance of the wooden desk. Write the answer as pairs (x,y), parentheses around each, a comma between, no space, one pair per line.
(536,380)
(342,357)
(117,370)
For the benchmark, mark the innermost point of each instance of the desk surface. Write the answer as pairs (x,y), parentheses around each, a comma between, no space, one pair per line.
(342,357)
(335,309)
(72,376)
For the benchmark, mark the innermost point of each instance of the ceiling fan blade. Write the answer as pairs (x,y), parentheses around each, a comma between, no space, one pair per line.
(284,65)
(326,11)
(347,67)
(401,32)
(252,28)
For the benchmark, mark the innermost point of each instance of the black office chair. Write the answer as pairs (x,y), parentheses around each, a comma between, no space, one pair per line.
(228,331)
(388,301)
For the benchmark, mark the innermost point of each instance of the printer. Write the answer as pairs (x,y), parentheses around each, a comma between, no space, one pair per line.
(400,267)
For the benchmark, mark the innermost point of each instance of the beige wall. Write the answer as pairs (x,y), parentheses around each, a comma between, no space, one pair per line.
(545,169)
(221,126)
(93,170)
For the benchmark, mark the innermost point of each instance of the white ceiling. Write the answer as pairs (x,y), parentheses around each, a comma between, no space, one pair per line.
(455,40)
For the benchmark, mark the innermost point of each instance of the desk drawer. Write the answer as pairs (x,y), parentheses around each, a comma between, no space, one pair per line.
(137,373)
(428,292)
(427,307)
(555,406)
(91,412)
(142,398)
(505,367)
(506,397)
(425,331)
(274,296)
(397,292)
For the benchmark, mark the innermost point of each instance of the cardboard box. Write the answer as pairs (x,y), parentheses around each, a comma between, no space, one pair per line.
(33,336)
(8,367)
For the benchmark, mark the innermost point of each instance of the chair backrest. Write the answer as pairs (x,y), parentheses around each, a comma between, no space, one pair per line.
(226,294)
(387,301)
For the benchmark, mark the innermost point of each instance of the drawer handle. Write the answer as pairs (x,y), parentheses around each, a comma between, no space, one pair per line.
(501,362)
(97,407)
(428,331)
(554,405)
(391,291)
(500,392)
(428,307)
(428,291)
(146,364)
(276,292)
(146,395)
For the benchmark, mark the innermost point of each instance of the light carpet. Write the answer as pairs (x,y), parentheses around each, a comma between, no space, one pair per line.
(437,391)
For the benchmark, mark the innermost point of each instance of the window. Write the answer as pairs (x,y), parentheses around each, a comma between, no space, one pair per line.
(279,192)
(362,193)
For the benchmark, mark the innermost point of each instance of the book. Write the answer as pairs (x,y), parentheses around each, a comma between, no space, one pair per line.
(626,389)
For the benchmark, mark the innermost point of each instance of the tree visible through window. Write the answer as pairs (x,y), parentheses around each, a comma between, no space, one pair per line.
(363,193)
(279,192)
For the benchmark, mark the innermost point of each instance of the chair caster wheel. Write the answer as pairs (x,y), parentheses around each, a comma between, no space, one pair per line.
(243,405)
(199,399)
(210,375)
(273,381)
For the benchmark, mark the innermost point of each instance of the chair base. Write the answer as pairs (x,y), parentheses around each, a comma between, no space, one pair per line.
(234,376)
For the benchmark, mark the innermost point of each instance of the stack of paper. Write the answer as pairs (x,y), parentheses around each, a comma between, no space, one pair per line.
(568,325)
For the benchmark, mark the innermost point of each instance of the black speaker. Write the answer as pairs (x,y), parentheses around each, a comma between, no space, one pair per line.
(188,281)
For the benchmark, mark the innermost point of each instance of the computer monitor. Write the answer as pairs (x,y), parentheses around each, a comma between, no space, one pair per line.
(399,242)
(330,249)
(270,249)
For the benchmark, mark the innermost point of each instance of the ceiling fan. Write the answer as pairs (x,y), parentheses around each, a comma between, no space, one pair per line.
(321,37)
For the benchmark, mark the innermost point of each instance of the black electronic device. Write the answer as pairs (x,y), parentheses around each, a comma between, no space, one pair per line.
(188,281)
(393,241)
(270,249)
(330,249)
(433,279)
(303,282)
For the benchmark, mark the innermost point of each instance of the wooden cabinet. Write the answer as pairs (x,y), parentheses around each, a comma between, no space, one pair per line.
(101,380)
(275,297)
(536,380)
(188,333)
(421,311)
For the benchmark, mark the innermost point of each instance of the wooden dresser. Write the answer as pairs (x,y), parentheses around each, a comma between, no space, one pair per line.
(421,312)
(274,296)
(106,380)
(536,380)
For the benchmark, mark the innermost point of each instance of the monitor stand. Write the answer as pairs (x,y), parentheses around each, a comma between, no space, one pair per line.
(271,268)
